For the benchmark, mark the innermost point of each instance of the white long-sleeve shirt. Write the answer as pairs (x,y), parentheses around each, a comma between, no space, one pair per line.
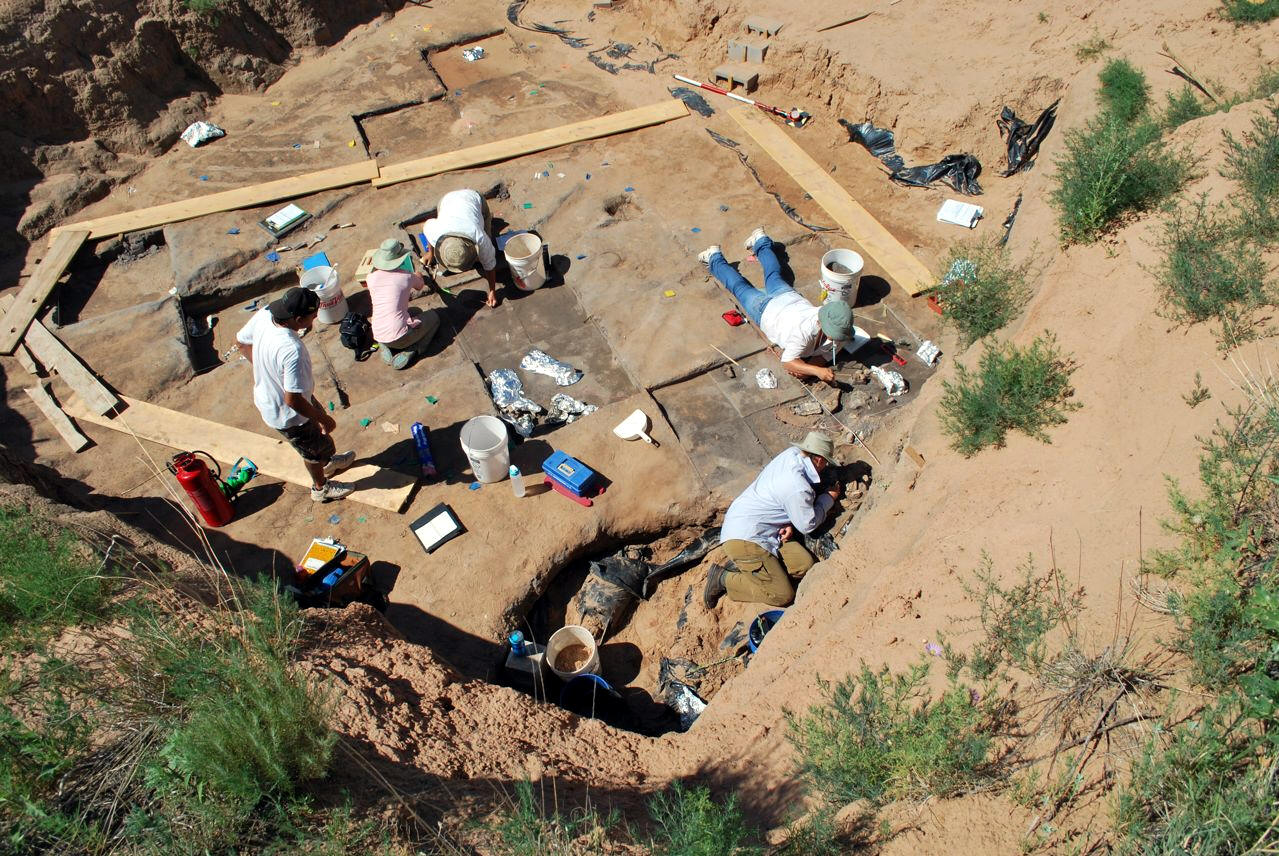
(783,493)
(790,322)
(461,212)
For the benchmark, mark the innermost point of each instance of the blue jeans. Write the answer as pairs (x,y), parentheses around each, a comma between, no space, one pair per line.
(751,298)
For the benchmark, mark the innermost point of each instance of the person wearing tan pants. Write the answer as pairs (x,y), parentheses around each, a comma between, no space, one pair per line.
(758,527)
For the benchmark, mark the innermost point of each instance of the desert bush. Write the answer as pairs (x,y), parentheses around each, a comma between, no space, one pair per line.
(1183,106)
(527,828)
(983,289)
(1108,169)
(1253,163)
(687,822)
(1124,93)
(1091,49)
(1208,273)
(1021,389)
(881,735)
(1250,11)
(47,579)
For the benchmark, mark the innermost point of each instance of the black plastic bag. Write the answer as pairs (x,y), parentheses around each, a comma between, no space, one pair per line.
(1023,140)
(878,141)
(610,591)
(959,171)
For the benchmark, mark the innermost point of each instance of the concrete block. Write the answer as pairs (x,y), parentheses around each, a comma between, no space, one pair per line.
(755,51)
(763,26)
(736,74)
(736,50)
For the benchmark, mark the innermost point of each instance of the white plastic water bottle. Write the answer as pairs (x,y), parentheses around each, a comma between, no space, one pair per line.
(517,481)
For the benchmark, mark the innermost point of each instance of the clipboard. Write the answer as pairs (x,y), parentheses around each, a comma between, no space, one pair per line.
(436,528)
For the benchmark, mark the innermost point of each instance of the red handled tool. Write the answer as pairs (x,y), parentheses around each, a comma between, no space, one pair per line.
(796,116)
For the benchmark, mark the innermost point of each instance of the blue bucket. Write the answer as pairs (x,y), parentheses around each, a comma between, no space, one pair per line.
(760,626)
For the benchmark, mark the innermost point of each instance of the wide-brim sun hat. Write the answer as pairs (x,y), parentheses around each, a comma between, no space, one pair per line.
(456,253)
(390,255)
(817,443)
(836,320)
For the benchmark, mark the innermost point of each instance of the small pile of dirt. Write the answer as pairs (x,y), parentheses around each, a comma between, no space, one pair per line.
(572,657)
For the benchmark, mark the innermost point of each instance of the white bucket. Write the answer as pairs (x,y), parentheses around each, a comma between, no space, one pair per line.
(323,280)
(524,254)
(484,442)
(841,286)
(572,634)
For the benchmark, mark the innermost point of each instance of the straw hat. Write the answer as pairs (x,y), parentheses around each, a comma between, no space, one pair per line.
(817,443)
(390,255)
(456,253)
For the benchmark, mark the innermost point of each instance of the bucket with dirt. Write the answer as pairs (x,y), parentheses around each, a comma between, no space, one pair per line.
(524,254)
(841,272)
(323,280)
(571,651)
(484,442)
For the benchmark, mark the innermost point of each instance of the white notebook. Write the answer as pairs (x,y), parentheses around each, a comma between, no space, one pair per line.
(960,213)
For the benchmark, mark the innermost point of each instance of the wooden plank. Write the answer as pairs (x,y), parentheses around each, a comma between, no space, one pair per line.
(898,263)
(915,456)
(228,200)
(22,312)
(513,147)
(25,359)
(375,486)
(77,441)
(55,356)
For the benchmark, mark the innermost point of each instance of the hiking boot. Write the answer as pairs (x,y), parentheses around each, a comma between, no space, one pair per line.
(401,361)
(385,351)
(705,255)
(754,238)
(714,586)
(331,490)
(338,463)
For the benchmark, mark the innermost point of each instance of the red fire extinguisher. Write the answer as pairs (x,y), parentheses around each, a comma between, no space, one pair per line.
(202,486)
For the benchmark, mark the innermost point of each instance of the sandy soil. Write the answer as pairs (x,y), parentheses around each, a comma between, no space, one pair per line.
(1090,500)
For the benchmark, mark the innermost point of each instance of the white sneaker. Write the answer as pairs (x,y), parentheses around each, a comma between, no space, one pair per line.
(705,255)
(331,490)
(338,463)
(754,238)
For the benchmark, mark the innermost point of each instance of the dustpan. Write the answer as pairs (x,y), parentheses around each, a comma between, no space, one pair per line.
(635,427)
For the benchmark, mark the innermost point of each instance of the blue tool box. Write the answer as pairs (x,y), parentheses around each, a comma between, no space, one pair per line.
(570,473)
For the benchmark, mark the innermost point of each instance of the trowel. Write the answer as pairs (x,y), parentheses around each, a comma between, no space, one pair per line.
(635,427)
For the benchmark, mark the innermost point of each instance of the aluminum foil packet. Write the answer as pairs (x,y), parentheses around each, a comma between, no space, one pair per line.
(472,54)
(894,383)
(201,132)
(765,379)
(540,362)
(508,394)
(566,408)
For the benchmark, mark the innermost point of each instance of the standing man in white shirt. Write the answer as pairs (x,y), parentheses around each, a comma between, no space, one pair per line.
(284,389)
(458,236)
(802,331)
(759,525)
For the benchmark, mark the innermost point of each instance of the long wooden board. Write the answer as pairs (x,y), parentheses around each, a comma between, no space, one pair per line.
(228,200)
(600,126)
(375,486)
(55,356)
(62,248)
(898,263)
(73,438)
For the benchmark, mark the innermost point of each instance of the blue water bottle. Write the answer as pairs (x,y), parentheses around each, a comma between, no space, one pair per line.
(421,438)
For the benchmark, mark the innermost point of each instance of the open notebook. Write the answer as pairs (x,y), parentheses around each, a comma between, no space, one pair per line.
(436,527)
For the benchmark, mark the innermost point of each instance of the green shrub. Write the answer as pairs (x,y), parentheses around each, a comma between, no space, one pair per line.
(1250,11)
(879,736)
(1091,49)
(1109,169)
(983,289)
(204,7)
(1022,389)
(1253,163)
(529,829)
(1124,93)
(1208,274)
(690,823)
(1183,106)
(47,581)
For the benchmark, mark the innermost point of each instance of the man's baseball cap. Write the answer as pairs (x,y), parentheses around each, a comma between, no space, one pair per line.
(297,302)
(836,320)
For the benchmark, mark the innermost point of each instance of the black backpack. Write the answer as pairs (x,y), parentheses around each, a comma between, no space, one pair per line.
(356,333)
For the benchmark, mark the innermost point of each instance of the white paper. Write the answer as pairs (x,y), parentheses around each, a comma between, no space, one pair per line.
(960,213)
(284,216)
(435,530)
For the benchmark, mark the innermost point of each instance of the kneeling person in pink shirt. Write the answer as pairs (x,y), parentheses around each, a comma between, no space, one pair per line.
(402,333)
